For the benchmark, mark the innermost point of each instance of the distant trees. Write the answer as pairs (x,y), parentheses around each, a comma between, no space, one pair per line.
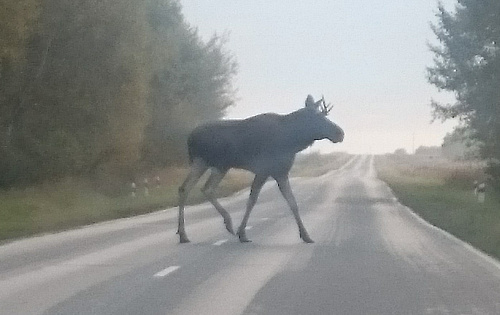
(400,151)
(467,63)
(102,86)
(458,145)
(433,151)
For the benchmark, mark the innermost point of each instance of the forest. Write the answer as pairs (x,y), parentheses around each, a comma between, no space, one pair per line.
(103,87)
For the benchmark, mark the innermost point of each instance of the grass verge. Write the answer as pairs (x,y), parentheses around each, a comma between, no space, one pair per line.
(76,202)
(441,192)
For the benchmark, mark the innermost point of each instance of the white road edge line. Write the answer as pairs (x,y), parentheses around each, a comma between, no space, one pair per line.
(219,243)
(166,271)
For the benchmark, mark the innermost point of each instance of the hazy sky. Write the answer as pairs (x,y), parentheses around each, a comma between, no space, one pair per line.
(368,57)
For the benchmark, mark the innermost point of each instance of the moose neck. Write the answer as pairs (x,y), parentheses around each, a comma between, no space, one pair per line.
(299,134)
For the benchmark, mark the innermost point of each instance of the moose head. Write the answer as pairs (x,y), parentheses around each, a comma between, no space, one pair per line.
(323,127)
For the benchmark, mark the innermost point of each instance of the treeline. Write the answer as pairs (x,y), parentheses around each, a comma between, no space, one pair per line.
(102,86)
(467,63)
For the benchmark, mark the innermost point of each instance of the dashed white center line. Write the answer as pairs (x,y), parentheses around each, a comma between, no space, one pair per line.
(166,271)
(219,243)
(248,227)
(265,219)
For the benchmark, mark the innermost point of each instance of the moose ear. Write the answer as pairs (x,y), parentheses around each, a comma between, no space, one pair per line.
(310,102)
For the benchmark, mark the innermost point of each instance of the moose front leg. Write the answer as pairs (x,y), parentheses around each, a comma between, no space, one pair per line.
(209,190)
(257,184)
(286,191)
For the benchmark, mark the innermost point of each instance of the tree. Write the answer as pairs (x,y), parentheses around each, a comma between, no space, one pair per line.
(458,145)
(192,83)
(467,63)
(91,97)
(400,151)
(431,151)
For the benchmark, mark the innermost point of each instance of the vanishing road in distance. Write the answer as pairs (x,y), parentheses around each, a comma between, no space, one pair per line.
(372,256)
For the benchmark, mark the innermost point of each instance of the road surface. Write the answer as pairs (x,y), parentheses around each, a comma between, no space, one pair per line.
(372,256)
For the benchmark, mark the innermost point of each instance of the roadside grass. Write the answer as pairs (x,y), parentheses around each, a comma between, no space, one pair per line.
(441,192)
(76,202)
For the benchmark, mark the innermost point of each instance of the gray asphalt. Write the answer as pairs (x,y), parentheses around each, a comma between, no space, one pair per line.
(372,256)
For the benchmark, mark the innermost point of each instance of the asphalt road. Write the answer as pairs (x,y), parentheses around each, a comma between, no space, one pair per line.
(372,256)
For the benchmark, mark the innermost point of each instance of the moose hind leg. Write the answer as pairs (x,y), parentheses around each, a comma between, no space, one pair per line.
(286,191)
(198,167)
(208,190)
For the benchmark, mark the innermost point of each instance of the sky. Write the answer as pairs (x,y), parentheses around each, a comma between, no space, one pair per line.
(367,57)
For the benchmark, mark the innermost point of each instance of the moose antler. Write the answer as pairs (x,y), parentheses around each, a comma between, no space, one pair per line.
(325,109)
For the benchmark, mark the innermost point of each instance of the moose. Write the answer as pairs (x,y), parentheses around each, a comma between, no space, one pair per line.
(265,145)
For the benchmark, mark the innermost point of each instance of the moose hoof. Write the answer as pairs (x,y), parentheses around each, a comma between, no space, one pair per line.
(229,226)
(183,238)
(243,238)
(305,237)
(307,240)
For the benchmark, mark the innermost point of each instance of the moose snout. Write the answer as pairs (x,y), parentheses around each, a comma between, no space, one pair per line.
(341,135)
(337,135)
